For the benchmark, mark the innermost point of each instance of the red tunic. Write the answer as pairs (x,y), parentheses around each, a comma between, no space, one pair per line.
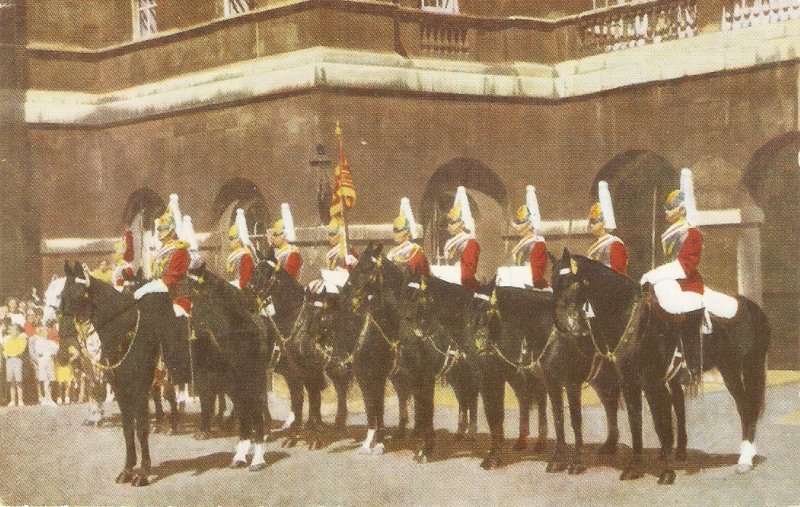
(619,258)
(418,264)
(538,260)
(127,256)
(689,259)
(469,264)
(293,264)
(174,272)
(245,270)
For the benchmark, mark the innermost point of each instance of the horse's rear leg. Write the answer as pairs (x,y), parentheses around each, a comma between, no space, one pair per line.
(424,405)
(155,392)
(206,413)
(314,425)
(257,418)
(608,391)
(679,406)
(525,400)
(660,401)
(733,381)
(244,415)
(294,422)
(340,423)
(174,409)
(492,390)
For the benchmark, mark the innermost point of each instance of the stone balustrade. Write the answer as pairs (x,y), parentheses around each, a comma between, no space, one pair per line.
(740,14)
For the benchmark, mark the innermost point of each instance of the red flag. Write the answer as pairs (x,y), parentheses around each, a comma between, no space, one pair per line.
(343,188)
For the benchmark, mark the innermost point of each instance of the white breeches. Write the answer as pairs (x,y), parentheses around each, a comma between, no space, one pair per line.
(674,300)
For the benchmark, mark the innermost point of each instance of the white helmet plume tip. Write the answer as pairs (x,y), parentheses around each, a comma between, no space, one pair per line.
(689,202)
(405,209)
(533,208)
(288,223)
(241,227)
(466,211)
(604,196)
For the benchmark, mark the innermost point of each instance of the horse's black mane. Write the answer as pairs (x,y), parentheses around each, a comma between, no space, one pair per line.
(227,295)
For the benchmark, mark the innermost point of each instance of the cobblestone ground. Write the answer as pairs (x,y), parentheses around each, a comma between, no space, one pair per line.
(48,457)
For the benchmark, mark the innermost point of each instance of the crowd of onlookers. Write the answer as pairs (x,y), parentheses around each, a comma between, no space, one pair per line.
(34,368)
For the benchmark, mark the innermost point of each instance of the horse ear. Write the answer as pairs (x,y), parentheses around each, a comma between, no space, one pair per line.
(67,269)
(566,255)
(378,250)
(552,258)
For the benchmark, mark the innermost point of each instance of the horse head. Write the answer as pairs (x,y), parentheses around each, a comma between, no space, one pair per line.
(367,279)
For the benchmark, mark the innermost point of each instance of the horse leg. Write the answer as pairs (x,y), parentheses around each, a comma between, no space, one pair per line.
(472,410)
(143,431)
(733,381)
(294,421)
(128,427)
(243,446)
(155,391)
(555,392)
(492,391)
(369,407)
(679,406)
(609,396)
(524,398)
(633,400)
(206,411)
(425,406)
(340,423)
(314,414)
(576,419)
(660,402)
(380,428)
(174,410)
(255,406)
(403,395)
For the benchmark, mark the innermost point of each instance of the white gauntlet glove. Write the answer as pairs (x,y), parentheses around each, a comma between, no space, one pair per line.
(350,260)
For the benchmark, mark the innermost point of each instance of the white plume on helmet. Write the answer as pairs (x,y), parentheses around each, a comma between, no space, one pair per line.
(689,202)
(605,204)
(533,208)
(176,213)
(405,209)
(241,227)
(288,223)
(189,235)
(466,211)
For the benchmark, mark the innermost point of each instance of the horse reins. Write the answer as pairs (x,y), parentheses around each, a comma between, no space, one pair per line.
(85,329)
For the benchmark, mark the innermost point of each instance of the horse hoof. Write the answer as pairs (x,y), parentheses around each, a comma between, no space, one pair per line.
(607,449)
(743,468)
(289,442)
(667,477)
(576,468)
(315,445)
(490,462)
(140,480)
(378,450)
(521,444)
(124,476)
(202,435)
(364,451)
(631,473)
(237,463)
(555,466)
(257,467)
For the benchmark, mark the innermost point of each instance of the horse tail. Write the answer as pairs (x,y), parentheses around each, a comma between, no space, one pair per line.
(754,363)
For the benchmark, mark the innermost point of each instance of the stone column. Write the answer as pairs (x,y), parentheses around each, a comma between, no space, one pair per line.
(748,254)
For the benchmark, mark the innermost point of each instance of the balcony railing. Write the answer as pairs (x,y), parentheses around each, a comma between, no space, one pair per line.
(637,24)
(740,14)
(444,40)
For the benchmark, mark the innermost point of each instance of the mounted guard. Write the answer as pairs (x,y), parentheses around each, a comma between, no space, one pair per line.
(170,262)
(677,283)
(607,249)
(531,250)
(337,256)
(282,237)
(242,258)
(407,255)
(462,249)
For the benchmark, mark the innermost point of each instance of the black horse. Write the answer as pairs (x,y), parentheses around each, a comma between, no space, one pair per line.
(429,351)
(567,364)
(132,336)
(296,321)
(367,336)
(239,348)
(630,333)
(510,327)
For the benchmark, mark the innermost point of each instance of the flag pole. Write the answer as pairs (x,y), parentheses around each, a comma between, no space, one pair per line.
(341,195)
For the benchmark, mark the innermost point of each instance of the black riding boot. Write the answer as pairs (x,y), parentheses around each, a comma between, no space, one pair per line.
(691,340)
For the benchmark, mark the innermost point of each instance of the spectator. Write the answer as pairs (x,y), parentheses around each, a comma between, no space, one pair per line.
(14,345)
(29,327)
(43,352)
(14,313)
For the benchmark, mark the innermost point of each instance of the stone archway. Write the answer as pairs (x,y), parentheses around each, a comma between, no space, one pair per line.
(773,180)
(639,182)
(145,201)
(489,202)
(238,193)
